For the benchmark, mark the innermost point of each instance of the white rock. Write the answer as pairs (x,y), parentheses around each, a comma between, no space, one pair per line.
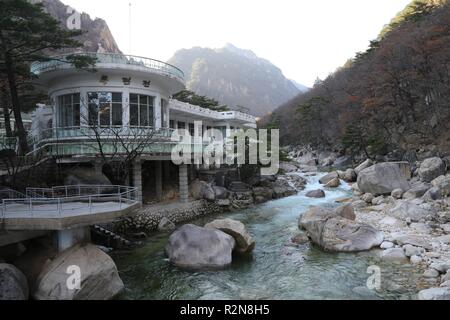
(390,221)
(442,267)
(394,255)
(367,197)
(446,227)
(431,273)
(411,250)
(415,260)
(397,193)
(435,294)
(386,245)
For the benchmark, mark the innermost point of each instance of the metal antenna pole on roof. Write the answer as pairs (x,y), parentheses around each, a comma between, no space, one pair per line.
(129,28)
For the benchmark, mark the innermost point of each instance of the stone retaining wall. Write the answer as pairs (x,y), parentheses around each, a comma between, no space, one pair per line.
(148,217)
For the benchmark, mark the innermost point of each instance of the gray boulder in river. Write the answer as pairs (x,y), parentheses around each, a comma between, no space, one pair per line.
(99,276)
(13,284)
(316,194)
(244,241)
(194,247)
(382,178)
(337,234)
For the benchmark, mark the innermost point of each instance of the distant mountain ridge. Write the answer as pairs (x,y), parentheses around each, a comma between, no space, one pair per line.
(235,77)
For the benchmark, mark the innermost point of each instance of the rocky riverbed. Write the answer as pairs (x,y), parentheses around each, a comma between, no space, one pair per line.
(409,204)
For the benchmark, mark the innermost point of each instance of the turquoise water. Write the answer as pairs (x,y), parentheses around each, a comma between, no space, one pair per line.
(276,270)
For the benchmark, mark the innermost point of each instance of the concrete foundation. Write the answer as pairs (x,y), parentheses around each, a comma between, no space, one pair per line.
(66,239)
(158,180)
(137,178)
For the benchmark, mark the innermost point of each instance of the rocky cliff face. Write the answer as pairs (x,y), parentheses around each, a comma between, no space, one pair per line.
(98,37)
(235,77)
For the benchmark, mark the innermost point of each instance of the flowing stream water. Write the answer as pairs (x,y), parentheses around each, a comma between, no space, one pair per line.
(276,269)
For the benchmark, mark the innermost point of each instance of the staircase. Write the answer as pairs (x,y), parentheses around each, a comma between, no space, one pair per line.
(238,187)
(111,239)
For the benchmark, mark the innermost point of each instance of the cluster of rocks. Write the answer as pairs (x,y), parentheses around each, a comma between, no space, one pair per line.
(410,205)
(325,159)
(46,275)
(209,247)
(262,189)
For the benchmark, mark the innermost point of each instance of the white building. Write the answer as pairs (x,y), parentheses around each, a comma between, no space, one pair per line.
(126,94)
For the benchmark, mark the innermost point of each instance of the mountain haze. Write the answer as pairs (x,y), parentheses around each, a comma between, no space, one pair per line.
(235,77)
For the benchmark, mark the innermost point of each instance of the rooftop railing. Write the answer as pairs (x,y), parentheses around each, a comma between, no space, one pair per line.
(156,66)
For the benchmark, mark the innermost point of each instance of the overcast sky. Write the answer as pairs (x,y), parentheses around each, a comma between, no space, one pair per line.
(305,38)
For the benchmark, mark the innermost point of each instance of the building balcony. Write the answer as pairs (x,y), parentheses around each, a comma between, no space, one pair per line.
(125,65)
(199,113)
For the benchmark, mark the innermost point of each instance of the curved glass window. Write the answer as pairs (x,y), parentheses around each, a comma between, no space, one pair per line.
(141,110)
(68,114)
(105,108)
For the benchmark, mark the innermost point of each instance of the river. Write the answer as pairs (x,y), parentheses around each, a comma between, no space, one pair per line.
(276,270)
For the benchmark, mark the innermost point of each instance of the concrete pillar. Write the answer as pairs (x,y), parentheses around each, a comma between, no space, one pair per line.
(98,166)
(84,108)
(126,107)
(137,178)
(184,192)
(166,170)
(158,180)
(157,111)
(66,239)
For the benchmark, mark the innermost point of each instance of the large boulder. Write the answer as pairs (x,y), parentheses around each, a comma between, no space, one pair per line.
(443,184)
(333,183)
(316,194)
(435,294)
(221,193)
(328,177)
(417,190)
(382,179)
(201,190)
(350,175)
(86,176)
(244,241)
(366,164)
(288,167)
(194,247)
(409,210)
(281,188)
(13,284)
(99,276)
(337,234)
(394,255)
(431,168)
(262,194)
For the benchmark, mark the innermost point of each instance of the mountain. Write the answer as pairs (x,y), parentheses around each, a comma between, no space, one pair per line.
(394,97)
(235,77)
(98,37)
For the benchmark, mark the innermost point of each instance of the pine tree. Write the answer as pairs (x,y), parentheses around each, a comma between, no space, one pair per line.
(26,34)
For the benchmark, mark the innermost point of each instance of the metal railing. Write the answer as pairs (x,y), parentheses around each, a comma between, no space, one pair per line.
(58,200)
(105,132)
(7,193)
(156,66)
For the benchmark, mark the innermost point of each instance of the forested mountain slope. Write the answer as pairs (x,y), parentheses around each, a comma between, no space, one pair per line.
(396,95)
